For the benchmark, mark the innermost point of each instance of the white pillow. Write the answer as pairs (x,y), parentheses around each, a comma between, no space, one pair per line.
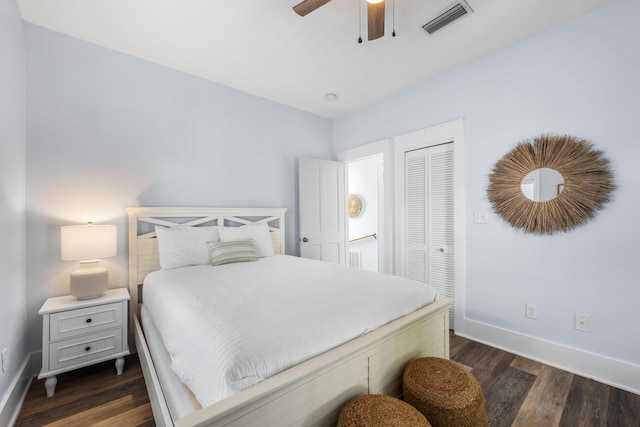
(183,246)
(258,232)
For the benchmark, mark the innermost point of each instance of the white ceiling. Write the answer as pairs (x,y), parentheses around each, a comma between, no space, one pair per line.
(262,47)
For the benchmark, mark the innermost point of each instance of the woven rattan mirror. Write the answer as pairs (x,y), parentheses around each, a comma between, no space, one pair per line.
(586,187)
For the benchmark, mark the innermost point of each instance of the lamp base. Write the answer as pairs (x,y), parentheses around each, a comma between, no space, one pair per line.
(89,281)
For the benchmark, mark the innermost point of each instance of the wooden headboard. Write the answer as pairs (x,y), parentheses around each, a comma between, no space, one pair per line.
(143,245)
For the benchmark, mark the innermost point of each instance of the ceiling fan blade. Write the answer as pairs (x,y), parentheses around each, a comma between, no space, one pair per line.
(308,6)
(375,19)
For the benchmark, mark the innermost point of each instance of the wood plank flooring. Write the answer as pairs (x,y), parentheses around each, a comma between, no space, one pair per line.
(524,393)
(518,392)
(91,396)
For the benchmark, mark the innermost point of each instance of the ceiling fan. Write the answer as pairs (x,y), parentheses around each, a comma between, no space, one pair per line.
(375,14)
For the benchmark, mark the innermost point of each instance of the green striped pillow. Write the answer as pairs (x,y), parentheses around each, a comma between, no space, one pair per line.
(229,252)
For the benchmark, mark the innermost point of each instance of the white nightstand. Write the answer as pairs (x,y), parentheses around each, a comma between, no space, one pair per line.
(78,333)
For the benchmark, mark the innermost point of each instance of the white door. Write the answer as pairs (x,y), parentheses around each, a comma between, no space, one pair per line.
(429,217)
(322,210)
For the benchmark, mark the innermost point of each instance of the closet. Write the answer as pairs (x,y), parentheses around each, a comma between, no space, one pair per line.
(429,217)
(426,239)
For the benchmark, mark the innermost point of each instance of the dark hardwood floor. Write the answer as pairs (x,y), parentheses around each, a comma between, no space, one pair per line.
(518,392)
(93,396)
(522,392)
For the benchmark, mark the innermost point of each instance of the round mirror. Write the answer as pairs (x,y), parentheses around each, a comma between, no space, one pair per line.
(542,184)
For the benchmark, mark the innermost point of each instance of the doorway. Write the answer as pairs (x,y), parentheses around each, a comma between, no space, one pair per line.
(364,184)
(368,176)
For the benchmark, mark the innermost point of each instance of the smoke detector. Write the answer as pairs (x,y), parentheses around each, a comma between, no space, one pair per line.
(451,13)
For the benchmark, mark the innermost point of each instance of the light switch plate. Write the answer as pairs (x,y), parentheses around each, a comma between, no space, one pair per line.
(480,217)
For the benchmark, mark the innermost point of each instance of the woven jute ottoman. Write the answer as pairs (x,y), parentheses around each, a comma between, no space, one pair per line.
(375,410)
(444,392)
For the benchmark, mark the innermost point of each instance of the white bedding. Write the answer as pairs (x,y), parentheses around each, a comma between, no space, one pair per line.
(229,327)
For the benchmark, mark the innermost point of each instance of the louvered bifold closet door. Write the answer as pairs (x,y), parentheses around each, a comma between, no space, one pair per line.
(429,217)
(441,249)
(416,251)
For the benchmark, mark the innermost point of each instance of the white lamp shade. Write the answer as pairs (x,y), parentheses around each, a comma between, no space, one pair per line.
(85,242)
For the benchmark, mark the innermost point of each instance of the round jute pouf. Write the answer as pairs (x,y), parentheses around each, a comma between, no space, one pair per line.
(444,392)
(375,410)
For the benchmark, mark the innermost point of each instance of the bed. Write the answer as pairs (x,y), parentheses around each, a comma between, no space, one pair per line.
(311,392)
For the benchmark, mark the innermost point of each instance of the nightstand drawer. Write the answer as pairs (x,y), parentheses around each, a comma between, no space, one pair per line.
(82,349)
(72,323)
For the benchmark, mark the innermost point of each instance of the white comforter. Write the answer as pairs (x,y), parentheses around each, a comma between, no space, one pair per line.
(231,326)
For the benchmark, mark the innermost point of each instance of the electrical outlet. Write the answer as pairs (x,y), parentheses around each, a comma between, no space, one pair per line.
(5,360)
(531,311)
(582,322)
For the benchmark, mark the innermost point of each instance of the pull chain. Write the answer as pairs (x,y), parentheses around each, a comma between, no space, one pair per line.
(359,21)
(393,14)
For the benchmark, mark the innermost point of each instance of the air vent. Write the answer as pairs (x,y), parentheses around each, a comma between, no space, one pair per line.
(451,13)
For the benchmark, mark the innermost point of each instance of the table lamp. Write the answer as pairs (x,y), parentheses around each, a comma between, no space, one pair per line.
(88,244)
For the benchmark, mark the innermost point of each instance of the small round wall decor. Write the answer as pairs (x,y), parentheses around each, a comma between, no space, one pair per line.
(355,206)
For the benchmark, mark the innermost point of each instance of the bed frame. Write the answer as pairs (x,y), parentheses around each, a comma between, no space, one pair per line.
(311,393)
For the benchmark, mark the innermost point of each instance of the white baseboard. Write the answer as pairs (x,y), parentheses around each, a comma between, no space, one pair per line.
(12,401)
(616,373)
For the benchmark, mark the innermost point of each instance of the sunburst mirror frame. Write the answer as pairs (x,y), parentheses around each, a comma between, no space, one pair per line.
(588,184)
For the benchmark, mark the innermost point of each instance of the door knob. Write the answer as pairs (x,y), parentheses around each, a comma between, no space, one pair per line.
(304,239)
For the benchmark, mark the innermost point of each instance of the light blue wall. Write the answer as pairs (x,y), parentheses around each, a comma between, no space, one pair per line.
(12,192)
(106,131)
(580,79)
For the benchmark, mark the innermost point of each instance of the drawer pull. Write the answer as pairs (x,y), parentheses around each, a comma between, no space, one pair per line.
(89,320)
(87,348)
